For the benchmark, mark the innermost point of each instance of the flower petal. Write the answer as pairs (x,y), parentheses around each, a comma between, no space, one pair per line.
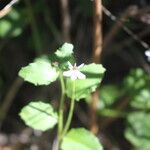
(73,77)
(67,73)
(80,66)
(147,53)
(80,75)
(74,72)
(70,65)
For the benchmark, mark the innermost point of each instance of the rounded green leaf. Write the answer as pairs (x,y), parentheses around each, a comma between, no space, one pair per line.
(63,55)
(141,100)
(94,74)
(136,80)
(138,130)
(65,51)
(80,139)
(39,73)
(39,116)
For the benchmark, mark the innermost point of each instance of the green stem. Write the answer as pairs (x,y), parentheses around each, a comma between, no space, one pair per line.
(68,122)
(61,108)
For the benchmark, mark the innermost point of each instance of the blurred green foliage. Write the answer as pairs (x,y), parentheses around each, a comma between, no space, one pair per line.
(135,87)
(137,80)
(12,25)
(141,100)
(109,94)
(138,130)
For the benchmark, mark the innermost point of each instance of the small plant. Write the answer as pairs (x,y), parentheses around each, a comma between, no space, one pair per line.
(134,92)
(77,82)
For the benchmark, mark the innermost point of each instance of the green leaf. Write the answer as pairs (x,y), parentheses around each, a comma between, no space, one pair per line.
(137,85)
(39,116)
(39,73)
(63,55)
(113,113)
(138,130)
(80,139)
(141,100)
(94,73)
(108,95)
(136,80)
(65,51)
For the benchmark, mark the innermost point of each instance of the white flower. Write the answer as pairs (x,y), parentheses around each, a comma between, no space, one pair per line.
(74,72)
(147,53)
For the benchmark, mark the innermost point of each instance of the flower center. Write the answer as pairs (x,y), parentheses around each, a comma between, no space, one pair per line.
(75,67)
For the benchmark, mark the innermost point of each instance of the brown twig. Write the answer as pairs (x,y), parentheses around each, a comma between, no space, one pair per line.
(7,8)
(97,32)
(97,49)
(8,100)
(133,36)
(66,21)
(118,25)
(130,40)
(126,29)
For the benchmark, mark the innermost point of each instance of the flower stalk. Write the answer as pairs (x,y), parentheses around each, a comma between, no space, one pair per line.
(68,122)
(61,109)
(74,74)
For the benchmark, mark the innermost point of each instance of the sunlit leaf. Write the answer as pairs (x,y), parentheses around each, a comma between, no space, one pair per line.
(94,74)
(65,51)
(39,73)
(63,55)
(80,139)
(39,115)
(138,130)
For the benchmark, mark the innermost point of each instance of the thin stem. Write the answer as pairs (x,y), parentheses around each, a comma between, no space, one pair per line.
(34,27)
(68,122)
(61,108)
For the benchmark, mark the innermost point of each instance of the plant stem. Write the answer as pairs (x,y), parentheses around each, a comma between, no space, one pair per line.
(61,108)
(68,122)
